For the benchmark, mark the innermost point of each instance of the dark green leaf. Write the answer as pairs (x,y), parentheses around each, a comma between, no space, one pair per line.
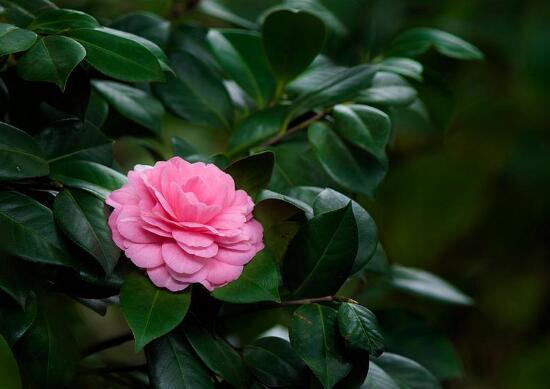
(424,284)
(197,94)
(274,362)
(89,176)
(259,127)
(252,173)
(366,127)
(314,336)
(392,371)
(354,171)
(266,195)
(321,256)
(27,230)
(307,194)
(388,89)
(403,66)
(379,262)
(241,56)
(97,110)
(14,39)
(333,23)
(20,155)
(12,281)
(73,140)
(258,282)
(61,20)
(118,57)
(173,364)
(132,103)
(9,371)
(239,13)
(367,234)
(182,148)
(15,322)
(146,25)
(217,354)
(292,39)
(151,312)
(81,216)
(359,327)
(418,40)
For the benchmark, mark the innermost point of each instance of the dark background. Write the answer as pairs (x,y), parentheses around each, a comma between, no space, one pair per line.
(468,196)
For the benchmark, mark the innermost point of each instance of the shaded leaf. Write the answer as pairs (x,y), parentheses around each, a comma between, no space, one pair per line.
(252,173)
(61,20)
(9,371)
(145,24)
(97,110)
(15,322)
(392,371)
(403,66)
(388,89)
(14,39)
(12,281)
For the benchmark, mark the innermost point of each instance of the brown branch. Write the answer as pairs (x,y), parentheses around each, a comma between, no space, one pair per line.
(294,129)
(106,344)
(325,299)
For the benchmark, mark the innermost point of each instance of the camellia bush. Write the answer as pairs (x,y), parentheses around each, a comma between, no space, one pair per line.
(238,250)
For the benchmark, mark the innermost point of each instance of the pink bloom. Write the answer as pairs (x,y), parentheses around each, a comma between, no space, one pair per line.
(185,223)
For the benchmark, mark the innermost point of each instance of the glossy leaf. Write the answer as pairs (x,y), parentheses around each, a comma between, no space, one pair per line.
(392,371)
(12,281)
(151,312)
(27,230)
(61,20)
(291,40)
(314,336)
(252,173)
(14,39)
(20,155)
(51,59)
(241,56)
(403,66)
(97,110)
(388,89)
(317,8)
(274,362)
(259,281)
(173,364)
(366,127)
(182,148)
(217,354)
(355,172)
(197,94)
(73,140)
(418,40)
(132,103)
(118,57)
(146,25)
(367,234)
(267,195)
(9,371)
(82,218)
(15,322)
(359,327)
(424,284)
(92,177)
(321,256)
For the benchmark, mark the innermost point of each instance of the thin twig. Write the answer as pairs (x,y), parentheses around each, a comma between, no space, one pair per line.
(324,299)
(294,129)
(112,369)
(106,344)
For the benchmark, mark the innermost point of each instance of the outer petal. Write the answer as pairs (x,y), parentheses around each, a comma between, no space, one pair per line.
(179,261)
(161,278)
(221,273)
(145,255)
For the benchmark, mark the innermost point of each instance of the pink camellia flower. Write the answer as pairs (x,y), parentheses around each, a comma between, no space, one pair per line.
(185,223)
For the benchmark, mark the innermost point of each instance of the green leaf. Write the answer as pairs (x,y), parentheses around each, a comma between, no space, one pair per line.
(403,66)
(291,40)
(341,85)
(388,89)
(14,39)
(57,21)
(274,362)
(20,155)
(132,103)
(217,354)
(258,282)
(71,139)
(392,371)
(81,216)
(252,173)
(145,24)
(241,56)
(359,327)
(97,110)
(266,195)
(379,262)
(320,258)
(15,322)
(27,230)
(367,234)
(258,127)
(314,336)
(182,148)
(51,59)
(173,364)
(424,284)
(357,172)
(418,40)
(92,177)
(118,57)
(12,280)
(366,127)
(151,312)
(47,353)
(9,371)
(333,23)
(197,94)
